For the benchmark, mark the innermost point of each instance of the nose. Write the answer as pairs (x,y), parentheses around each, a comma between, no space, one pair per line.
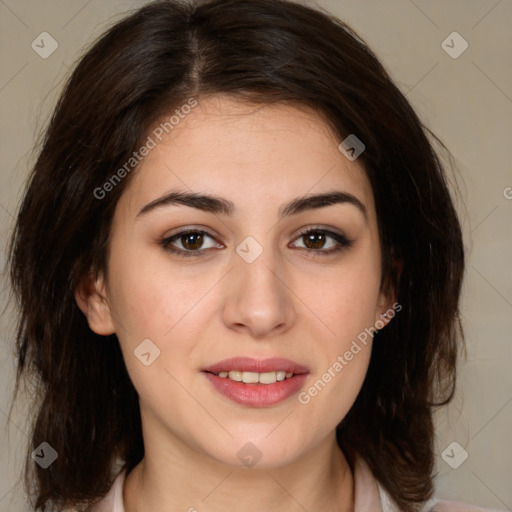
(258,296)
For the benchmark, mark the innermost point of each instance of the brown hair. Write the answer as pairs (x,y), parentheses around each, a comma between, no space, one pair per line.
(264,51)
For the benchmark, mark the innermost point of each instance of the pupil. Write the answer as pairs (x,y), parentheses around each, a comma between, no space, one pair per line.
(311,238)
(195,244)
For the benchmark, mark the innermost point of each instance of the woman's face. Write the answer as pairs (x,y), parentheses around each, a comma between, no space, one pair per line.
(248,285)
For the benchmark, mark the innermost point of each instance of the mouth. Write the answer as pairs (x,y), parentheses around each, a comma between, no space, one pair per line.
(256,383)
(255,377)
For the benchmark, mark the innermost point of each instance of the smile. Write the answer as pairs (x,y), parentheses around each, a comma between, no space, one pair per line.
(256,383)
(254,377)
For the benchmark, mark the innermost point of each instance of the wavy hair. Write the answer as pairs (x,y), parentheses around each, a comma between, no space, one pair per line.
(262,51)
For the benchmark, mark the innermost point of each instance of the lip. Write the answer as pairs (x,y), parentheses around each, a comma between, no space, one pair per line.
(256,395)
(248,364)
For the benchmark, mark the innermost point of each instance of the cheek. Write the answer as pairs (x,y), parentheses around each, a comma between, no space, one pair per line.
(340,364)
(347,306)
(150,296)
(329,396)
(150,309)
(346,301)
(153,301)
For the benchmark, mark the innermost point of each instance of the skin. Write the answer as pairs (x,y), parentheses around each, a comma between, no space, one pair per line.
(202,309)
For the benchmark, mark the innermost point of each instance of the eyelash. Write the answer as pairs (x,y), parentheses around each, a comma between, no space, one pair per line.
(343,242)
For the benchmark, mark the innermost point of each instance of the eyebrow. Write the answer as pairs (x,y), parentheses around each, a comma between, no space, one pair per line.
(218,205)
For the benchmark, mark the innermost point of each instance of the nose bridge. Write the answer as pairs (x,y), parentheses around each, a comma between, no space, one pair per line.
(258,263)
(258,298)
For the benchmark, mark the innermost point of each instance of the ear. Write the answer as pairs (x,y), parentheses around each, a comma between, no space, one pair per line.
(387,305)
(91,297)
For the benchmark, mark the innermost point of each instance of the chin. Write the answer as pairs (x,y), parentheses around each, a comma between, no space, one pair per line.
(258,452)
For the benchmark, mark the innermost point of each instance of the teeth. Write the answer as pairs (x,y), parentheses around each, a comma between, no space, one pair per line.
(250,377)
(267,378)
(256,378)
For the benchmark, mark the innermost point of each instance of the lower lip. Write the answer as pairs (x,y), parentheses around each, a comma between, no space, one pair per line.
(257,395)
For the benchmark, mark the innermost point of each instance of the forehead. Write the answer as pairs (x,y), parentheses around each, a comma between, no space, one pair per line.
(250,154)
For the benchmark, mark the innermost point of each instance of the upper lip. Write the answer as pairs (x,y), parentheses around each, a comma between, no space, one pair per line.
(248,364)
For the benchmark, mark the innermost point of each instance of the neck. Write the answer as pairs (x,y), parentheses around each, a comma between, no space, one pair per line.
(320,480)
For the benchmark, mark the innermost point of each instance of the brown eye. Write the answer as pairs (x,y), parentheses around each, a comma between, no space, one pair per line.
(315,240)
(191,242)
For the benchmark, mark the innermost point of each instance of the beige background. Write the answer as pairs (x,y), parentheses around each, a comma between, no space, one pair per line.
(467,101)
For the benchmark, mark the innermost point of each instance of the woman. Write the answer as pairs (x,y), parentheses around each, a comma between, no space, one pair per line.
(238,267)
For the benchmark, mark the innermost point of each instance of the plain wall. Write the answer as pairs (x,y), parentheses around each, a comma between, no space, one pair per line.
(466,101)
